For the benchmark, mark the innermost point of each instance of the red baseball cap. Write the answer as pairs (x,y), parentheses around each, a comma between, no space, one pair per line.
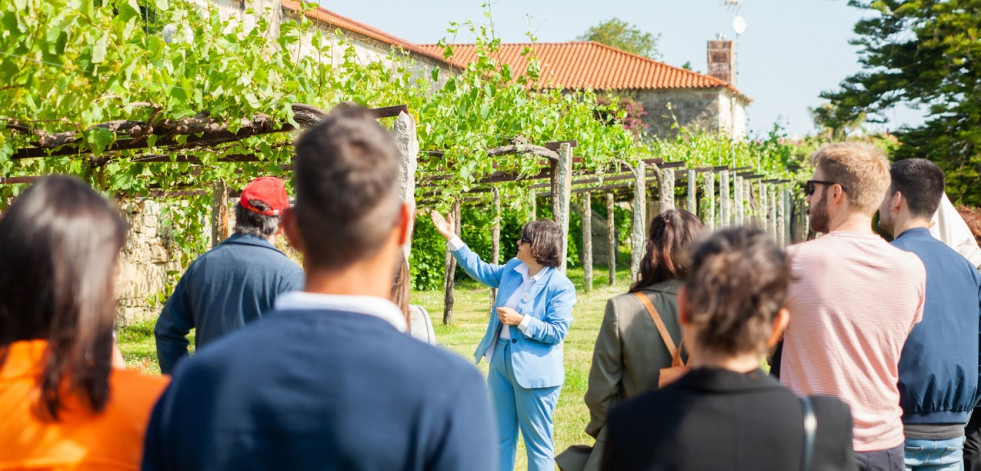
(269,190)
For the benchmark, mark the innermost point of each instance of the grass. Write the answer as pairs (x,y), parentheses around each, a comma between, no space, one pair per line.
(470,315)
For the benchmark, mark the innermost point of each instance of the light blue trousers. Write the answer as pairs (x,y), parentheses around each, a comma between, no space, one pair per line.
(934,455)
(528,410)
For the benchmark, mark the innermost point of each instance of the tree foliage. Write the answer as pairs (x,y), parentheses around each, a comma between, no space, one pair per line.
(922,53)
(622,35)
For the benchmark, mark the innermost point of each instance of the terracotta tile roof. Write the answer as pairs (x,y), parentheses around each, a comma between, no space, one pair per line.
(591,65)
(324,15)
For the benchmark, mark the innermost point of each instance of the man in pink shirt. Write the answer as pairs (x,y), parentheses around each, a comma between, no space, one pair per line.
(853,300)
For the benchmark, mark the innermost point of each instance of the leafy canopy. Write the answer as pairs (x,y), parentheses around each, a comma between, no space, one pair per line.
(922,53)
(622,35)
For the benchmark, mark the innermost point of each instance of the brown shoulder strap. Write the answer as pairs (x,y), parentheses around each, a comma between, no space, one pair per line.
(661,328)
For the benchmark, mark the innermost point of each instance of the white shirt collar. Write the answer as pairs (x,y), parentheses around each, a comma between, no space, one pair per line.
(370,305)
(522,268)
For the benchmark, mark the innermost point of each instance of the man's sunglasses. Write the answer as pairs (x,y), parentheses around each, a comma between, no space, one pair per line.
(809,186)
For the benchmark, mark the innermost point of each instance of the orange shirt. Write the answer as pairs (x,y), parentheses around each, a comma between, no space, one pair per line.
(79,440)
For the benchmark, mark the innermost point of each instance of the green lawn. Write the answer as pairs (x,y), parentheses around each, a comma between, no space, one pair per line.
(471,311)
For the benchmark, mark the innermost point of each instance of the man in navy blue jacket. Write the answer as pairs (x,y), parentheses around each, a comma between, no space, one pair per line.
(331,381)
(233,283)
(938,368)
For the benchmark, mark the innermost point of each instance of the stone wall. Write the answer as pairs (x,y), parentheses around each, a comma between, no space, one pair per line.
(712,110)
(732,115)
(148,263)
(693,108)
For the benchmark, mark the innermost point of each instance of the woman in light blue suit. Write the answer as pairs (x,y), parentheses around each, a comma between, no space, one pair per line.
(523,342)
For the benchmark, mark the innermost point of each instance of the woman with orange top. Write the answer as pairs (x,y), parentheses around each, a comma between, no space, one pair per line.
(62,405)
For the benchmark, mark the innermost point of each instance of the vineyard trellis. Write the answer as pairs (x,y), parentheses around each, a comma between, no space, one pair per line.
(188,120)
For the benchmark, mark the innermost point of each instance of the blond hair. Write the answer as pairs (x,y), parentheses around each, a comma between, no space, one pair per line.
(861,169)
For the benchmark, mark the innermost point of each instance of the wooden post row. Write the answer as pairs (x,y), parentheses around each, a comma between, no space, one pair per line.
(450,271)
(611,239)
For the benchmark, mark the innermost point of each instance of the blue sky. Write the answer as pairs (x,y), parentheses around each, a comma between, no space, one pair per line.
(791,51)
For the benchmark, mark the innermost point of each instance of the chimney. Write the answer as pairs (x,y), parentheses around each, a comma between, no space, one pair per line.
(722,59)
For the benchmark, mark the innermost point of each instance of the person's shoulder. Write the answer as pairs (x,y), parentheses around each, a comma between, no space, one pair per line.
(138,383)
(435,360)
(135,393)
(807,248)
(646,407)
(560,280)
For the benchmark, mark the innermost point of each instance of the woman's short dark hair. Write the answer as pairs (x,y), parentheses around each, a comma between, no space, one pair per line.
(252,223)
(59,243)
(545,238)
(670,235)
(736,285)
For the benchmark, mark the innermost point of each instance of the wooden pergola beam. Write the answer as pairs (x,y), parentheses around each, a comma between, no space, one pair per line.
(200,131)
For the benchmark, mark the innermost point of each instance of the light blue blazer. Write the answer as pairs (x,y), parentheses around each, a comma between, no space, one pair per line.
(536,355)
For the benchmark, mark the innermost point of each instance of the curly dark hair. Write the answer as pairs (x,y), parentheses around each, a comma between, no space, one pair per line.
(736,285)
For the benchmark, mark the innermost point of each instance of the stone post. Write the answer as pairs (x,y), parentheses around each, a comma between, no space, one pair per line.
(774,227)
(764,205)
(737,188)
(725,216)
(666,190)
(450,271)
(219,212)
(562,197)
(496,238)
(587,242)
(781,235)
(408,145)
(747,202)
(637,239)
(692,193)
(709,190)
(611,239)
(789,202)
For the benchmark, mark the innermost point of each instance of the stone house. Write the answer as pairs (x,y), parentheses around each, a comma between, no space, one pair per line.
(667,93)
(370,44)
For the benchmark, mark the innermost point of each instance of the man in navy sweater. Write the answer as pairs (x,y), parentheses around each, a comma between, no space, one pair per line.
(331,381)
(233,283)
(938,368)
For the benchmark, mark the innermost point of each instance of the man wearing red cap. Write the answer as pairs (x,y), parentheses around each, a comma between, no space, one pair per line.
(233,283)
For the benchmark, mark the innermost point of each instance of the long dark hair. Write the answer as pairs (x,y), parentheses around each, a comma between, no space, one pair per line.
(58,247)
(401,287)
(670,235)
